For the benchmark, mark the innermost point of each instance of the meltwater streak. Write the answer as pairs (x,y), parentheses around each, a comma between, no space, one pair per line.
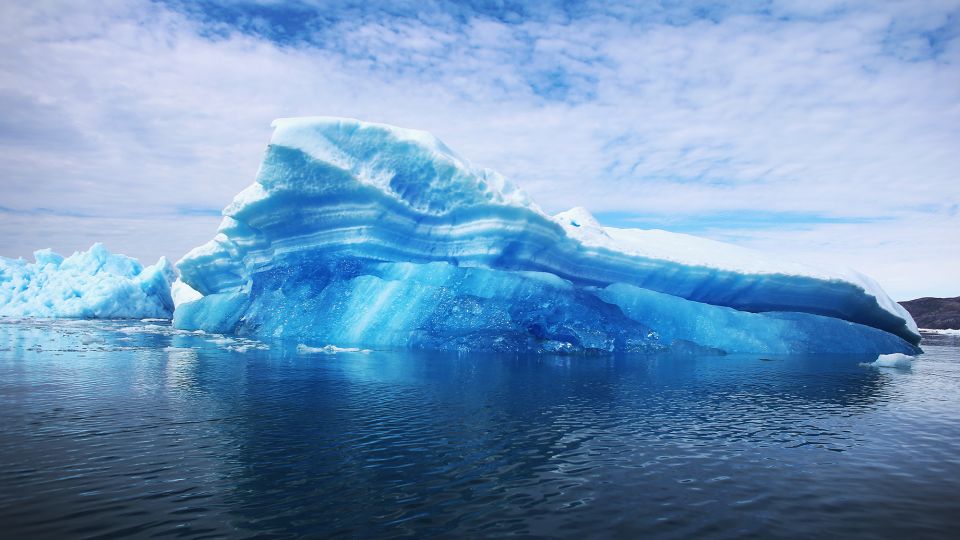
(112,429)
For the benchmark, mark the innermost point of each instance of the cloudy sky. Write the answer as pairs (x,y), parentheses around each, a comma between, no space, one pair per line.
(824,131)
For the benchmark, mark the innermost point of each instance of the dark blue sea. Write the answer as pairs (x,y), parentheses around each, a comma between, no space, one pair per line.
(124,429)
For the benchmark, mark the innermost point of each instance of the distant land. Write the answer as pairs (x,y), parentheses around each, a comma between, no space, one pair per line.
(939,313)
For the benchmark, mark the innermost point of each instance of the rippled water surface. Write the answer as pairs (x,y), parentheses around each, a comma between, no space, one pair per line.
(116,429)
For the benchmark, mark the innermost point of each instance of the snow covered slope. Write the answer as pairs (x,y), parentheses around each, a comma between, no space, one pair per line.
(361,234)
(88,284)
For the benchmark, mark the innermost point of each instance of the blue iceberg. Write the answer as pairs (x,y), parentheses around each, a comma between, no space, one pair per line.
(366,235)
(88,284)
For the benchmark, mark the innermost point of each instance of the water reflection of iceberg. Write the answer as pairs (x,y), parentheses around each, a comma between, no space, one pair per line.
(268,440)
(500,432)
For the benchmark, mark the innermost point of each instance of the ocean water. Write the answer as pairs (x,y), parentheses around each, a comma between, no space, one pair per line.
(131,429)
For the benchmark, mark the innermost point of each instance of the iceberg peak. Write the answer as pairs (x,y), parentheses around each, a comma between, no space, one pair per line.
(417,169)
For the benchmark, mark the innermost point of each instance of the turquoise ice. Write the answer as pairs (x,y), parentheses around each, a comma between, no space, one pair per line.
(366,235)
(88,284)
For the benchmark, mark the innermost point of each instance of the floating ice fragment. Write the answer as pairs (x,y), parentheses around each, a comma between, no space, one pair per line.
(895,360)
(329,349)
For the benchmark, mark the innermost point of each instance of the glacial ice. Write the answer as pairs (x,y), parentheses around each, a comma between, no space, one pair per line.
(358,234)
(895,360)
(88,284)
(329,349)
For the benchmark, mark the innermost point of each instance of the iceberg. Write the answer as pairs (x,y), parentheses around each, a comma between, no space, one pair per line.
(364,235)
(88,284)
(895,360)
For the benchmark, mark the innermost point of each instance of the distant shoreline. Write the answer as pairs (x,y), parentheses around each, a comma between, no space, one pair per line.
(933,314)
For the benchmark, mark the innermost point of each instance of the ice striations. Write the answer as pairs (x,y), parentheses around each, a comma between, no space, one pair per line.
(87,284)
(366,235)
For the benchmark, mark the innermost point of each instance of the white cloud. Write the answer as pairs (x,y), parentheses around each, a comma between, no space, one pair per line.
(123,112)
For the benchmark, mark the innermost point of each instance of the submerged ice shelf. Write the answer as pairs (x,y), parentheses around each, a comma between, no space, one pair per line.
(365,235)
(88,284)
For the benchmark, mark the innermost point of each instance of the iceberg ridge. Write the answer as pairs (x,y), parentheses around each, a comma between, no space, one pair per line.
(367,235)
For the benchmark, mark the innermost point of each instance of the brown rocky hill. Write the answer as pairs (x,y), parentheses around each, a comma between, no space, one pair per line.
(939,313)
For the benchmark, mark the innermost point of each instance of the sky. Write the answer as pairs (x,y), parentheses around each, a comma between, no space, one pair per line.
(826,132)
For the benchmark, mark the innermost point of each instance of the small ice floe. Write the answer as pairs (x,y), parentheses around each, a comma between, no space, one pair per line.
(329,349)
(943,332)
(236,344)
(145,329)
(150,320)
(247,345)
(895,360)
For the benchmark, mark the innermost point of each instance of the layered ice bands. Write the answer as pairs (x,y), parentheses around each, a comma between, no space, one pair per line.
(88,284)
(360,234)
